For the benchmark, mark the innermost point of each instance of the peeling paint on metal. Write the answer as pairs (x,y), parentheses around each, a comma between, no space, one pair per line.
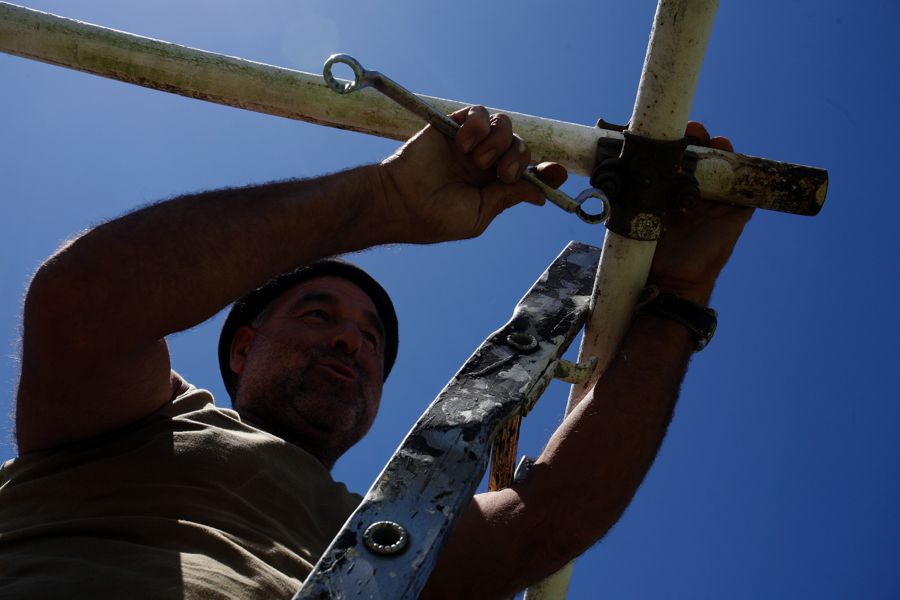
(430,479)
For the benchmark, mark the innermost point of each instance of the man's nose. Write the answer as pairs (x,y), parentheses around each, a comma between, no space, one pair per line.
(347,336)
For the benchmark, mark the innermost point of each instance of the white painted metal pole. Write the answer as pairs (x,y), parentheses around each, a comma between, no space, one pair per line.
(256,86)
(305,96)
(675,52)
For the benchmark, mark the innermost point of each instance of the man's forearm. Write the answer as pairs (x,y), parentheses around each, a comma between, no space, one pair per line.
(603,450)
(178,262)
(583,480)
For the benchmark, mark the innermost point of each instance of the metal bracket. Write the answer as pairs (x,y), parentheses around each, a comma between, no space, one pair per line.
(389,546)
(647,179)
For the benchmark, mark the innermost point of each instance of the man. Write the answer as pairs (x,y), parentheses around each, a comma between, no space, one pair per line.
(130,482)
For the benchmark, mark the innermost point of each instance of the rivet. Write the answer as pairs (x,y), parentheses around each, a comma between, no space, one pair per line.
(524,342)
(385,537)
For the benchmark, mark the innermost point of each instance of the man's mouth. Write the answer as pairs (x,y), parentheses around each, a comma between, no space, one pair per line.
(340,369)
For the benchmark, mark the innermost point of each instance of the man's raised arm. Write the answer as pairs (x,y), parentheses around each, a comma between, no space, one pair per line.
(597,458)
(96,314)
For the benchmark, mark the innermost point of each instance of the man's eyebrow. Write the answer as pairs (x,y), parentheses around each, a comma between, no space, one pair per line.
(313,297)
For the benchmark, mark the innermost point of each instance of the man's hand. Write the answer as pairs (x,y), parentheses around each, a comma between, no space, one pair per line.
(698,241)
(437,189)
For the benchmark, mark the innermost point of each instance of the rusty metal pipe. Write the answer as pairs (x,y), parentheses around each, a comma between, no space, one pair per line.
(303,96)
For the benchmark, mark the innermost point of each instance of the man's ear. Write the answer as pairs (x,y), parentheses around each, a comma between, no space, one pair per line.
(240,347)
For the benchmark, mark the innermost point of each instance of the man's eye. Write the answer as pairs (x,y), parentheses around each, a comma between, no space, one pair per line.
(317,316)
(371,339)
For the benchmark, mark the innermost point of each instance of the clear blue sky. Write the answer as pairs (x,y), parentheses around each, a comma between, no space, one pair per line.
(780,476)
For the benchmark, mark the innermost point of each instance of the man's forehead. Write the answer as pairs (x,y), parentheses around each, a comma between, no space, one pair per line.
(320,288)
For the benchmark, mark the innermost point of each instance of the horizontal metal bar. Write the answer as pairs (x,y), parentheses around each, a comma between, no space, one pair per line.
(305,96)
(252,85)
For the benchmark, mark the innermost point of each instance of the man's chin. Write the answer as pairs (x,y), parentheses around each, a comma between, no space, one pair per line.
(334,417)
(324,426)
(331,387)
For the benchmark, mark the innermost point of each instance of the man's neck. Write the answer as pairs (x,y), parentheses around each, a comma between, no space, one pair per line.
(260,423)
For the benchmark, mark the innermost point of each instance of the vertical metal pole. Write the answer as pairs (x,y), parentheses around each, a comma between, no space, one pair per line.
(675,52)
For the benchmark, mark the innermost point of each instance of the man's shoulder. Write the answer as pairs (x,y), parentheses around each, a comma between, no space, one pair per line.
(191,403)
(189,399)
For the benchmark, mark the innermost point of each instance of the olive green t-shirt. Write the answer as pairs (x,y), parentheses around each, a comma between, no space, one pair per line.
(187,503)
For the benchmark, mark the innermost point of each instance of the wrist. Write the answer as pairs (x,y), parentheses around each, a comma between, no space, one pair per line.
(382,207)
(391,208)
(697,318)
(342,212)
(696,292)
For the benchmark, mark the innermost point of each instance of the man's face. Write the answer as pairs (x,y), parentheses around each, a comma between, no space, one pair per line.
(311,371)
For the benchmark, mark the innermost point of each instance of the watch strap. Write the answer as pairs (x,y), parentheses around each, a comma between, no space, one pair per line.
(701,320)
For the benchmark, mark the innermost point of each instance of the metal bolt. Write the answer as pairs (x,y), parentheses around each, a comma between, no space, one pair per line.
(645,226)
(385,537)
(607,176)
(524,342)
(688,196)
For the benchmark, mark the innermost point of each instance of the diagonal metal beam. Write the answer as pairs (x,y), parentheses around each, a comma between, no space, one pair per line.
(430,479)
(303,96)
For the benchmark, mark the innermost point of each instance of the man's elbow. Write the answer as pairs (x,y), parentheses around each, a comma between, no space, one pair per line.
(56,305)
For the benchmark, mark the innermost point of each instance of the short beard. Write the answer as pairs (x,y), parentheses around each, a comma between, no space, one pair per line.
(271,402)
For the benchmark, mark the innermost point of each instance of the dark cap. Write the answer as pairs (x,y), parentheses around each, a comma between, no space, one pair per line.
(248,307)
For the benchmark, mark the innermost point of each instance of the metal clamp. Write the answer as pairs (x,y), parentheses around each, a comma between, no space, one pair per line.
(644,179)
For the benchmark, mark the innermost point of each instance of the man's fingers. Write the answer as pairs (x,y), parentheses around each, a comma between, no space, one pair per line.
(495,145)
(696,133)
(488,140)
(510,194)
(475,126)
(514,160)
(721,143)
(490,143)
(551,173)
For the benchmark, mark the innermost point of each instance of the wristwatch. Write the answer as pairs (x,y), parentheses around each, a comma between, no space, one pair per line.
(701,320)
